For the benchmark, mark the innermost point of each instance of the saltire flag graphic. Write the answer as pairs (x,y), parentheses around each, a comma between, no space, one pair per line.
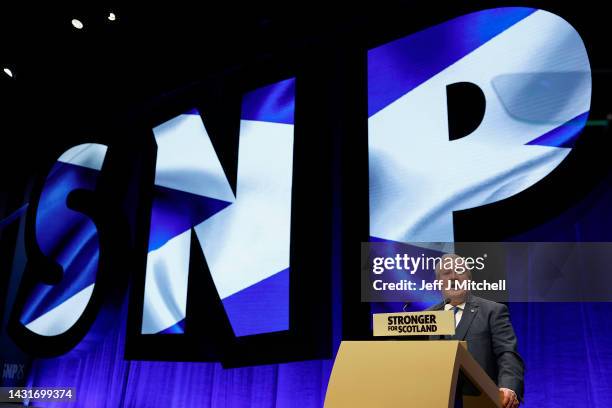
(534,72)
(244,237)
(70,239)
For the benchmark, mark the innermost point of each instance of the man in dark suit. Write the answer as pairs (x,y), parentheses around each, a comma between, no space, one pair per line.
(486,327)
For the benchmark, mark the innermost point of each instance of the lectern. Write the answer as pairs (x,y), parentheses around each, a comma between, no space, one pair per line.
(415,374)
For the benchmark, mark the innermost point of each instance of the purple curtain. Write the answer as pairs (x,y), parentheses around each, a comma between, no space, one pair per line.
(103,379)
(566,346)
(567,352)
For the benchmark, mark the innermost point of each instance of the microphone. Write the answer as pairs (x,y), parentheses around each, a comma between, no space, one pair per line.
(444,302)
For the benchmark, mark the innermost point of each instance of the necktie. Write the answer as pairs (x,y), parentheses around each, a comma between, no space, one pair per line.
(455,311)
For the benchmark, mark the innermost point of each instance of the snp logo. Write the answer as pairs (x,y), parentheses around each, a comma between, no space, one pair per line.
(11,371)
(524,72)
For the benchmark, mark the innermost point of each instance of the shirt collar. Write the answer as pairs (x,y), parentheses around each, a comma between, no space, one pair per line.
(448,306)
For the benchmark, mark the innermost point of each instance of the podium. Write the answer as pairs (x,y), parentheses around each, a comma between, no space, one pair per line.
(421,374)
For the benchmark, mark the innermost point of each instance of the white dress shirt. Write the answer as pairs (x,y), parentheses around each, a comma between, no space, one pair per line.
(461,306)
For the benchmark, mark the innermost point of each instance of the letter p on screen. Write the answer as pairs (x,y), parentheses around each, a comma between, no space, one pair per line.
(467,113)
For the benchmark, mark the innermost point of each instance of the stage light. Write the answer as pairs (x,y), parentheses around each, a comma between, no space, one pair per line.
(8,72)
(77,23)
(112,17)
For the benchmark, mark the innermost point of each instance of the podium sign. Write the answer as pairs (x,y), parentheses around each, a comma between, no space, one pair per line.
(439,322)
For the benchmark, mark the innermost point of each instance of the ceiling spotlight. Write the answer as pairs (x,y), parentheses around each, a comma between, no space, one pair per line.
(77,24)
(8,72)
(112,16)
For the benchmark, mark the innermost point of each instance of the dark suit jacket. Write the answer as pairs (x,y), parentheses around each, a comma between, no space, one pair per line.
(486,327)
